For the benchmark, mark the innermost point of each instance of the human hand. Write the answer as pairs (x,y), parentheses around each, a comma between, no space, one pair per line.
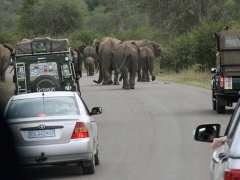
(217,142)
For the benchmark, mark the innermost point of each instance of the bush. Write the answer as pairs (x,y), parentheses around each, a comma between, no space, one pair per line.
(193,49)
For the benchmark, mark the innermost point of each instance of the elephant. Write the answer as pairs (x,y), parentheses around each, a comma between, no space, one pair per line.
(90,51)
(155,47)
(106,50)
(89,66)
(126,58)
(5,58)
(146,62)
(79,62)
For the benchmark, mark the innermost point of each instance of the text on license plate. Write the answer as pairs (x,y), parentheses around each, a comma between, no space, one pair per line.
(41,133)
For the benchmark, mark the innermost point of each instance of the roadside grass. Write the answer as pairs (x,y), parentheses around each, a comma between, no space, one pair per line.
(190,77)
(6,92)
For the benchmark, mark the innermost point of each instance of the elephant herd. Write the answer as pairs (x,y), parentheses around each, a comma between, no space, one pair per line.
(123,57)
(107,55)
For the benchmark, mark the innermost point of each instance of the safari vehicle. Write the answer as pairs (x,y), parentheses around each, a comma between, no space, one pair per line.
(44,64)
(225,83)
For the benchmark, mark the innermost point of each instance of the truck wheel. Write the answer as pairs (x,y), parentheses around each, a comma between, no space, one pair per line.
(220,109)
(45,83)
(213,101)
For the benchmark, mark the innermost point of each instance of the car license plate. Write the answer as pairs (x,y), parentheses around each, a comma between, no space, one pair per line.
(41,133)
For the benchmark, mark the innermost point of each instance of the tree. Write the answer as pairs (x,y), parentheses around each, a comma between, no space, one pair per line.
(8,19)
(26,12)
(58,18)
(180,16)
(92,4)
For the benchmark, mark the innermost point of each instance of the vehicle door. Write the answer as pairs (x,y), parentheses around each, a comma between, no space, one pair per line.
(220,155)
(93,122)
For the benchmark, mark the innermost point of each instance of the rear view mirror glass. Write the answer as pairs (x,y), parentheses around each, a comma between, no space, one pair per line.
(207,132)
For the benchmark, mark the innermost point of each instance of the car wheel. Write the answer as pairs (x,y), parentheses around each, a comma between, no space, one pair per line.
(97,157)
(220,109)
(213,101)
(45,83)
(89,169)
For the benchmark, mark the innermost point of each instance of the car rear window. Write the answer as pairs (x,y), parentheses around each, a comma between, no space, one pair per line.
(47,106)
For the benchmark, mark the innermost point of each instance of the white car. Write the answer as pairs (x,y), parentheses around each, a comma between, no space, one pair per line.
(225,162)
(52,128)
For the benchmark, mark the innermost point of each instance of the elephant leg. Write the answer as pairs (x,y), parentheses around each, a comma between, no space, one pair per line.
(143,75)
(116,74)
(3,75)
(139,73)
(147,76)
(107,79)
(126,84)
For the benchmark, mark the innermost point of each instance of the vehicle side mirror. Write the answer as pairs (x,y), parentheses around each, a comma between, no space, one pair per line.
(207,132)
(96,111)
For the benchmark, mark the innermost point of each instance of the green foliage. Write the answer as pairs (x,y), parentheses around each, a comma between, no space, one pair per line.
(101,22)
(83,38)
(9,38)
(136,34)
(26,12)
(92,4)
(233,7)
(195,49)
(64,18)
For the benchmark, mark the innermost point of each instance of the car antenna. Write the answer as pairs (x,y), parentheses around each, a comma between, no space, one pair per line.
(43,102)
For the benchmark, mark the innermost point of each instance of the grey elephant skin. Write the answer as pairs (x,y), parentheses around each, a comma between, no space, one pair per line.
(106,51)
(146,62)
(126,58)
(90,57)
(5,58)
(89,66)
(79,62)
(156,49)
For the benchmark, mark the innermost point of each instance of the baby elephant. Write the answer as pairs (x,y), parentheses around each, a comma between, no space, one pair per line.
(89,66)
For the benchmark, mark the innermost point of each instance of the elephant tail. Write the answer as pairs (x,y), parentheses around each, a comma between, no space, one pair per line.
(100,78)
(125,57)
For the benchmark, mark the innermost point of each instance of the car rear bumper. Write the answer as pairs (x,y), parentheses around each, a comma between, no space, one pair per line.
(72,152)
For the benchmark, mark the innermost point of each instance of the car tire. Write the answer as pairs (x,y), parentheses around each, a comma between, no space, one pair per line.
(45,83)
(97,157)
(214,104)
(89,169)
(220,109)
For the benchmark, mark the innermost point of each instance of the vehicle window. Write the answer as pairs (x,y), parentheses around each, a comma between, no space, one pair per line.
(85,106)
(233,124)
(38,69)
(47,106)
(66,71)
(21,74)
(232,41)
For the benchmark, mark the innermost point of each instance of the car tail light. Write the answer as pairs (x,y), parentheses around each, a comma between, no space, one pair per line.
(232,175)
(221,82)
(80,131)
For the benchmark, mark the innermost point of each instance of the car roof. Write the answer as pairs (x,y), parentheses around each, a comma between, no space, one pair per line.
(46,94)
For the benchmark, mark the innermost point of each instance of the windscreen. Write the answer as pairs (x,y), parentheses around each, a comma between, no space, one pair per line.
(232,41)
(40,107)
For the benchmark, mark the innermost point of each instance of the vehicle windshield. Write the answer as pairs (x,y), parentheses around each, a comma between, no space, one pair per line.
(232,41)
(40,107)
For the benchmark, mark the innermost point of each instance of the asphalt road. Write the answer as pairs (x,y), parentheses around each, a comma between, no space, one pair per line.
(145,133)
